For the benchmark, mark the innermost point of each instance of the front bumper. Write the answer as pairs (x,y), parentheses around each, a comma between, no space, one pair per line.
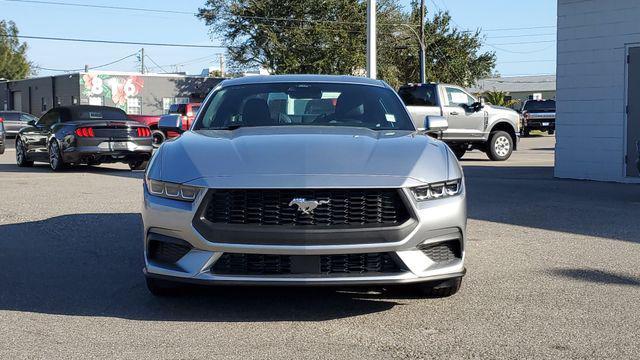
(438,221)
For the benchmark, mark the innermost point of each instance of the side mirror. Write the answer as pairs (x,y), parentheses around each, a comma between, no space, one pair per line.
(435,124)
(477,106)
(31,122)
(171,122)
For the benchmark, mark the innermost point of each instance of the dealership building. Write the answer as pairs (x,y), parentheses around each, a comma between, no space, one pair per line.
(135,93)
(598,90)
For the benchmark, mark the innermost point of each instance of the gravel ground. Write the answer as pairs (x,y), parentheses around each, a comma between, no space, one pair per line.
(552,273)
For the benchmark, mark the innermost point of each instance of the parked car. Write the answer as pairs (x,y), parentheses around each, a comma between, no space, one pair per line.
(333,193)
(85,134)
(472,124)
(538,115)
(187,111)
(2,137)
(15,120)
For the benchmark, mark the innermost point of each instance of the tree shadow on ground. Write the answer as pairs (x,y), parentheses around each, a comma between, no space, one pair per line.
(91,265)
(532,197)
(597,276)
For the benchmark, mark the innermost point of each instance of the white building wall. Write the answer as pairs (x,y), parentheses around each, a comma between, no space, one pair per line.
(593,36)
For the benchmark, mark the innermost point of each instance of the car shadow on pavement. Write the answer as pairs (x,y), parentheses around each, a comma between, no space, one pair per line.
(91,265)
(44,168)
(597,276)
(530,196)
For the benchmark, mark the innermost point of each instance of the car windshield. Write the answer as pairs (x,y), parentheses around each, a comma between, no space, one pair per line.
(299,104)
(543,105)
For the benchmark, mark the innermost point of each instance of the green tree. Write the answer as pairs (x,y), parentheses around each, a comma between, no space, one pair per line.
(13,59)
(498,98)
(329,37)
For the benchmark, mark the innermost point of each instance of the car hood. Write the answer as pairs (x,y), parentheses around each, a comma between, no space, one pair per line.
(306,154)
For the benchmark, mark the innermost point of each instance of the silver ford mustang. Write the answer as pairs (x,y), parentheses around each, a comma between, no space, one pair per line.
(304,180)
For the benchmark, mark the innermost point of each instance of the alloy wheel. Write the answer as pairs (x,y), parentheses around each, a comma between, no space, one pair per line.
(20,156)
(502,146)
(54,156)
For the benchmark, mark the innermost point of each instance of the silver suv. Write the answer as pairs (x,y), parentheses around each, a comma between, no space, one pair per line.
(304,180)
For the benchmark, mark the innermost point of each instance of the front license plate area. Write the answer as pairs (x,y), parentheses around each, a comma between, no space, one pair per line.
(305,264)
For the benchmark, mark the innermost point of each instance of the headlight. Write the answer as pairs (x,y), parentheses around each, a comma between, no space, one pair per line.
(437,190)
(172,190)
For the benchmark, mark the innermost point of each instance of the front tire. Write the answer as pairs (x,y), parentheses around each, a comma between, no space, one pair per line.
(55,157)
(21,155)
(138,165)
(438,289)
(500,146)
(162,288)
(551,132)
(157,138)
(459,150)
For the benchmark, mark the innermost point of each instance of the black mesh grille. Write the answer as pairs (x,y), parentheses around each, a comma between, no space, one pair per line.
(443,251)
(351,207)
(259,264)
(167,252)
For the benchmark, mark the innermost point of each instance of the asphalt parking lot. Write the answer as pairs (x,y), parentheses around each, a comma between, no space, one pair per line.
(552,273)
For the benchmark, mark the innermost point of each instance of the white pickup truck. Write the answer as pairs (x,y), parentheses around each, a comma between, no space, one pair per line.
(472,124)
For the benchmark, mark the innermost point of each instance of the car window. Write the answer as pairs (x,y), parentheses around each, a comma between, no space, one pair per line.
(27,118)
(457,97)
(48,119)
(10,116)
(317,104)
(421,95)
(540,105)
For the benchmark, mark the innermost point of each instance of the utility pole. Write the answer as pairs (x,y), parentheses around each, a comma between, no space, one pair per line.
(142,61)
(371,39)
(221,65)
(423,74)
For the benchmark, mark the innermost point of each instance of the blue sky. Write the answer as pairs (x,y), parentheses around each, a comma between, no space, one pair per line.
(525,51)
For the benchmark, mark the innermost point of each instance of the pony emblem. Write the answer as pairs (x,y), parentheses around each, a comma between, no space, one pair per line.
(307,206)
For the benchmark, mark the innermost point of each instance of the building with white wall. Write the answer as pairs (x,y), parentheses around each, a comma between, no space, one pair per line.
(598,90)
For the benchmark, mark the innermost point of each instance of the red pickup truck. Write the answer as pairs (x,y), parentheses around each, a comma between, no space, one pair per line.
(188,112)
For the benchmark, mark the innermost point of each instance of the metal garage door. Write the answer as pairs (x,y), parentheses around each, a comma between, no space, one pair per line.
(17,101)
(633,115)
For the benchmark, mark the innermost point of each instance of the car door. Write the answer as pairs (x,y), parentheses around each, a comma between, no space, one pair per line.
(35,137)
(464,122)
(421,101)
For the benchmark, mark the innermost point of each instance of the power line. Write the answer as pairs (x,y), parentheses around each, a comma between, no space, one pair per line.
(524,42)
(91,67)
(525,61)
(156,64)
(117,42)
(102,6)
(249,16)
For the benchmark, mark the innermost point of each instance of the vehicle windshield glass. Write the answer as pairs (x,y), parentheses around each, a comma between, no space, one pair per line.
(299,104)
(545,105)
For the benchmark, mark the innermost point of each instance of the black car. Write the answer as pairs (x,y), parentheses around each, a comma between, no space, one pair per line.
(84,134)
(538,115)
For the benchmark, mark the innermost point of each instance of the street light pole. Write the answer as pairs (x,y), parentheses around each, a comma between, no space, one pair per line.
(371,39)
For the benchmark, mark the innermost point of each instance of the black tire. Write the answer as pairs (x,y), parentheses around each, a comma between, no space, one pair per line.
(551,132)
(500,146)
(459,150)
(439,289)
(138,165)
(55,157)
(158,287)
(157,138)
(21,155)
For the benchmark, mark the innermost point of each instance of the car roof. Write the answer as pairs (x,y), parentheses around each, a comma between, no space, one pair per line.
(269,79)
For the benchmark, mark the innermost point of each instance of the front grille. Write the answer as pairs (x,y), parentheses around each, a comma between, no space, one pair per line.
(260,264)
(166,252)
(350,207)
(442,251)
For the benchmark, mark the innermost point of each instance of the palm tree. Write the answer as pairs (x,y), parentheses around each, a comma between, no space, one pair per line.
(498,98)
